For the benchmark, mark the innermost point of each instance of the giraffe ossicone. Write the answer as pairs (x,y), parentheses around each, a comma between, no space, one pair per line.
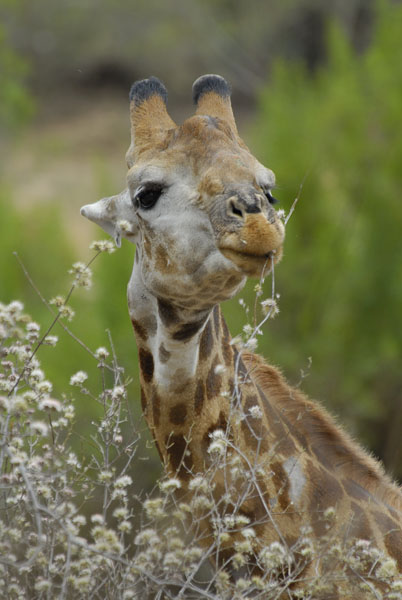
(199,207)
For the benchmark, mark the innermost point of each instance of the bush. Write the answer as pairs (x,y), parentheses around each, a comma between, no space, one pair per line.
(72,527)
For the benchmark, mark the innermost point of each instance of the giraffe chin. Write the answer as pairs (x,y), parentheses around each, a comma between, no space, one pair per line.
(253,265)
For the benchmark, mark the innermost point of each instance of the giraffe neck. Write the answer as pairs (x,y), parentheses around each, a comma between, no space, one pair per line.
(186,371)
(295,463)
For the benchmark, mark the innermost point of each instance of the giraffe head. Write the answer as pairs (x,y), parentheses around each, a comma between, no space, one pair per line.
(198,204)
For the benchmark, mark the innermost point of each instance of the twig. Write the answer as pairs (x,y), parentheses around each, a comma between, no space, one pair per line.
(295,201)
(55,320)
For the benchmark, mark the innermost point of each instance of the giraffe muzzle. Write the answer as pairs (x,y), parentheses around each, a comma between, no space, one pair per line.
(256,244)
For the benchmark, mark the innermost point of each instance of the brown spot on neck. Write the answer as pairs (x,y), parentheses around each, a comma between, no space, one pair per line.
(139,330)
(146,364)
(199,397)
(214,380)
(178,414)
(167,312)
(180,457)
(188,330)
(206,342)
(281,482)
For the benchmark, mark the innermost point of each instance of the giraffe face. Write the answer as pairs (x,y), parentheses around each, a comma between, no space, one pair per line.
(198,204)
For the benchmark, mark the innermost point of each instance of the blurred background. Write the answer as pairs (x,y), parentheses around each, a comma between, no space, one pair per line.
(317,92)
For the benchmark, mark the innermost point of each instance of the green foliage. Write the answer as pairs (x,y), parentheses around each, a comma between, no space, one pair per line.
(338,135)
(16,106)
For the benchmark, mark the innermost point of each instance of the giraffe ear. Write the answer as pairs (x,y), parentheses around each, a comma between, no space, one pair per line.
(211,95)
(115,215)
(148,116)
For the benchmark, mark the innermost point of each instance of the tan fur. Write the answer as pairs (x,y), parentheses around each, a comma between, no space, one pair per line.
(318,427)
(213,105)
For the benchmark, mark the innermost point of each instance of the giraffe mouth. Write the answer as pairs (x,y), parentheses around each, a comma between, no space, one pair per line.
(253,265)
(256,246)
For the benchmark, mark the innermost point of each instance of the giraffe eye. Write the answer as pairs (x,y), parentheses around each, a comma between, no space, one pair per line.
(146,196)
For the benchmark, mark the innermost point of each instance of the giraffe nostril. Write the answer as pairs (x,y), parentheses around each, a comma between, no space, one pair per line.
(235,209)
(239,207)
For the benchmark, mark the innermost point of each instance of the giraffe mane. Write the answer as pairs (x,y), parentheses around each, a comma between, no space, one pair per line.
(308,420)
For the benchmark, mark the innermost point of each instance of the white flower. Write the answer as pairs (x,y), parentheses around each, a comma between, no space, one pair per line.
(170,485)
(270,306)
(97,518)
(33,327)
(44,387)
(15,307)
(248,330)
(255,412)
(78,378)
(387,569)
(199,483)
(37,375)
(72,460)
(82,273)
(242,520)
(39,427)
(101,353)
(41,585)
(154,508)
(79,520)
(146,536)
(124,225)
(124,526)
(118,392)
(217,447)
(6,385)
(120,513)
(66,313)
(51,340)
(103,246)
(50,404)
(201,502)
(248,532)
(251,344)
(123,481)
(329,513)
(69,412)
(57,301)
(275,556)
(217,434)
(105,476)
(4,402)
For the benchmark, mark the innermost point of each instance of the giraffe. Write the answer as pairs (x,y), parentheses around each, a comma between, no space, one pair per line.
(199,207)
